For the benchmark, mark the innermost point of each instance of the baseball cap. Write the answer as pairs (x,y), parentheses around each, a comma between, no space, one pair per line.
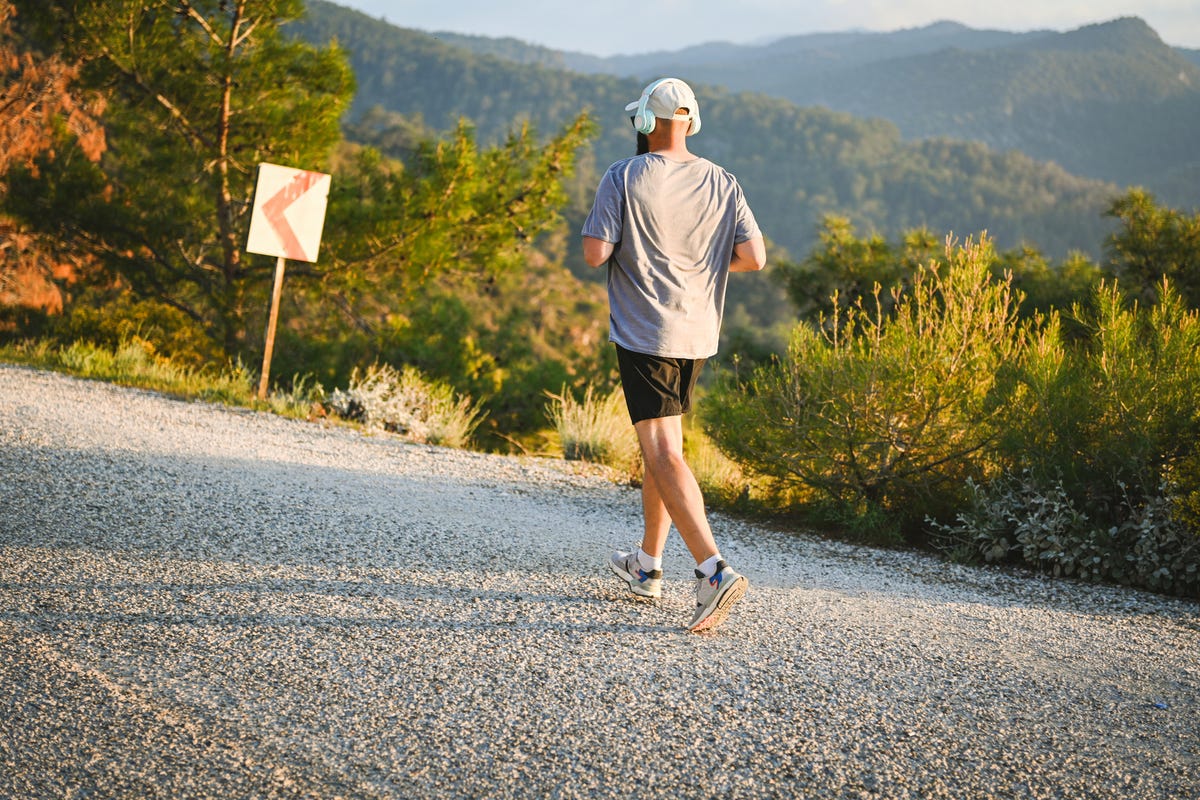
(668,95)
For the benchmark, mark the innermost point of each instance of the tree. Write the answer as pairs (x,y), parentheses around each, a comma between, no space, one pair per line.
(200,92)
(850,267)
(38,105)
(37,98)
(1154,243)
(431,263)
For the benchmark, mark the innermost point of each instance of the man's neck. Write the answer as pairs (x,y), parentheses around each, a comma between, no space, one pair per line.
(675,154)
(670,141)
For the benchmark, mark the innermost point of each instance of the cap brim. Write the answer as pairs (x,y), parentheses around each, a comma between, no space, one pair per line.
(633,106)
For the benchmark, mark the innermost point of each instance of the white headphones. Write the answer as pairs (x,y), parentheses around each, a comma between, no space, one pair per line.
(644,120)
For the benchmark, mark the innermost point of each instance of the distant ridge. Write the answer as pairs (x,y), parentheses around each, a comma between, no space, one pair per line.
(796,163)
(1110,100)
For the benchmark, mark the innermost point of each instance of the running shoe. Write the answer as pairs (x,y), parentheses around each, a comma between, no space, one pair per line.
(642,582)
(715,596)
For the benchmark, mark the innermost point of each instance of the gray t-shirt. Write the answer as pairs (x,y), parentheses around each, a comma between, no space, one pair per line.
(674,225)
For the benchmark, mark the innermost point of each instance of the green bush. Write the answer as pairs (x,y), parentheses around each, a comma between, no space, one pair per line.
(1107,453)
(405,403)
(884,411)
(111,319)
(1113,416)
(1044,527)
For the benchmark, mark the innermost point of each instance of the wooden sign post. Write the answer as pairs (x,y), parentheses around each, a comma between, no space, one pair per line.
(288,218)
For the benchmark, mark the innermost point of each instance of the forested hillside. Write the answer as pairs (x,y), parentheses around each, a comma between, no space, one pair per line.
(1108,101)
(796,163)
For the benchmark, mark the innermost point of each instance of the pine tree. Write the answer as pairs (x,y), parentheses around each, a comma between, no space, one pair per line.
(200,92)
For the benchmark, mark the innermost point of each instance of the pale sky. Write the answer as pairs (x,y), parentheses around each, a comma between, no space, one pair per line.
(609,27)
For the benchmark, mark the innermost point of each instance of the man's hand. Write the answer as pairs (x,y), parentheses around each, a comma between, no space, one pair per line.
(749,256)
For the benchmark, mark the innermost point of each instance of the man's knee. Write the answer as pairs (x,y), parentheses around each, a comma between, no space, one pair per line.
(662,453)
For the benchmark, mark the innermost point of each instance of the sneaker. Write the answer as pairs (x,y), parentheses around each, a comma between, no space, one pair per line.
(715,596)
(642,582)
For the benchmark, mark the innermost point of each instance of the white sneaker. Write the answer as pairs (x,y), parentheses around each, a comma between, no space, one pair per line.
(642,582)
(716,595)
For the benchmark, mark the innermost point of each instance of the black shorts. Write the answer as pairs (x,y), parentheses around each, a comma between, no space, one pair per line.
(656,386)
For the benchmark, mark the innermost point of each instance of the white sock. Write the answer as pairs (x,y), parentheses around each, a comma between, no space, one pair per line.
(648,562)
(709,565)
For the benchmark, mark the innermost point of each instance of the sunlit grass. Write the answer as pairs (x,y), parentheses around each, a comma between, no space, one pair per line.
(135,362)
(595,429)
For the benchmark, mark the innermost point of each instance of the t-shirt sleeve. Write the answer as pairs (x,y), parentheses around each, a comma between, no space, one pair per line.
(747,225)
(608,210)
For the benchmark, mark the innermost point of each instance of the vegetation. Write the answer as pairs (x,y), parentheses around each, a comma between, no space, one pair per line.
(1155,244)
(945,409)
(594,428)
(136,362)
(887,407)
(427,261)
(1108,101)
(405,403)
(797,164)
(197,94)
(1101,482)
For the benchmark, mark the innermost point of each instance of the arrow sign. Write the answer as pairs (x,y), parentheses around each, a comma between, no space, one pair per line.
(289,213)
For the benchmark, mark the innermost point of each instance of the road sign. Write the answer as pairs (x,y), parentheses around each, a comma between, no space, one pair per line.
(289,213)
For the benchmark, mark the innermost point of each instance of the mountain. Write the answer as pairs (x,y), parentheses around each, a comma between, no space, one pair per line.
(796,163)
(1108,101)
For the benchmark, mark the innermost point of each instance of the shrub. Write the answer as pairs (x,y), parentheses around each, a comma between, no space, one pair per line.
(596,429)
(405,403)
(884,412)
(1112,419)
(1023,520)
(1107,453)
(110,320)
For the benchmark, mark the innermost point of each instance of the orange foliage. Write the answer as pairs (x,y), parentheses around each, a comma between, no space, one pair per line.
(32,274)
(35,92)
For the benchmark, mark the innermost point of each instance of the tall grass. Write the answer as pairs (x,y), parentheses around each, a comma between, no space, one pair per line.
(594,429)
(722,480)
(135,362)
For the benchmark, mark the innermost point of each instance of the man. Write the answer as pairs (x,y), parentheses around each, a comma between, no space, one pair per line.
(671,226)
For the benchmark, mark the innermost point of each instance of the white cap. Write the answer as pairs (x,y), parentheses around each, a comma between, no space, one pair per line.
(666,96)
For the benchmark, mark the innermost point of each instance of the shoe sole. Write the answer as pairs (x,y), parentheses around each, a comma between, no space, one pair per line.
(633,583)
(718,610)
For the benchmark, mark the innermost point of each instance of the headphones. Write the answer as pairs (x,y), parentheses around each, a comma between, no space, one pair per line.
(644,120)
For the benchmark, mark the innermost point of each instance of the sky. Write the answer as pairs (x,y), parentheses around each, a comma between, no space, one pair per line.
(610,27)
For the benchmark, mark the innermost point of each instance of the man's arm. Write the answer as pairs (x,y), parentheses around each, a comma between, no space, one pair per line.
(749,256)
(596,252)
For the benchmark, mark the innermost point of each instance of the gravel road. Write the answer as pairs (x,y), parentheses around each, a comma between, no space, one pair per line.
(203,602)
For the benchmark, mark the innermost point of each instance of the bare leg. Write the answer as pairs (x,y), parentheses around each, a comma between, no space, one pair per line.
(658,521)
(662,450)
